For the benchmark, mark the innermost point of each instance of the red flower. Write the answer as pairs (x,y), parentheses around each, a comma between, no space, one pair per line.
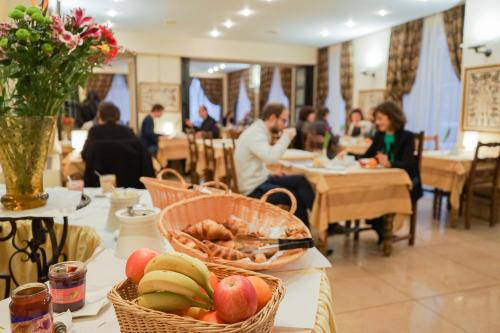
(108,35)
(113,52)
(80,20)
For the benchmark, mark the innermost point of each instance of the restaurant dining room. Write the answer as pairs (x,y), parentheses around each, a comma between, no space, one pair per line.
(253,166)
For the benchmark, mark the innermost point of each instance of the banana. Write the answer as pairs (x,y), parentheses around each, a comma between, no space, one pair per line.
(166,302)
(158,281)
(184,264)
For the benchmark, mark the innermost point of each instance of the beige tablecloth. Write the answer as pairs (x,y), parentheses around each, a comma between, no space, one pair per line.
(446,172)
(220,168)
(357,146)
(357,194)
(172,149)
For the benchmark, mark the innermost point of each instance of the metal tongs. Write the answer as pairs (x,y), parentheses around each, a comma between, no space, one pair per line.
(275,244)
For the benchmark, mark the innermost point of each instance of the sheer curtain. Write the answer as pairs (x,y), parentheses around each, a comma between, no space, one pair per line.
(196,99)
(334,100)
(276,92)
(243,105)
(434,101)
(119,95)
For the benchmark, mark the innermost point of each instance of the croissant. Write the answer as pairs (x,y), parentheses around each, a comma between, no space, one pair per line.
(209,230)
(236,227)
(224,252)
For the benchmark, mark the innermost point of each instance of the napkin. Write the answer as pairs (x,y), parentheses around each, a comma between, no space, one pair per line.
(94,302)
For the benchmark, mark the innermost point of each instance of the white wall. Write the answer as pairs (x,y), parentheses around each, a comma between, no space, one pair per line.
(218,49)
(482,24)
(370,53)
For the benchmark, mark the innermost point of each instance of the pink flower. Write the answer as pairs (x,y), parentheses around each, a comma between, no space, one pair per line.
(4,29)
(92,31)
(58,26)
(71,41)
(80,20)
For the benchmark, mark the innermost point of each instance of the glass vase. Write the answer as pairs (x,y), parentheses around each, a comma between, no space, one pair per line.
(24,145)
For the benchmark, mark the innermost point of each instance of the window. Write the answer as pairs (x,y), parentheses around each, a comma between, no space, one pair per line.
(196,99)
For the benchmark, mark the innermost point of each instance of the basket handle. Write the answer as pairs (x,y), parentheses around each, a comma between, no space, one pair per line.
(172,172)
(216,184)
(198,243)
(293,206)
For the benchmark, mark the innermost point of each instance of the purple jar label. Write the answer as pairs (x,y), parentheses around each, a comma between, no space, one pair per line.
(41,323)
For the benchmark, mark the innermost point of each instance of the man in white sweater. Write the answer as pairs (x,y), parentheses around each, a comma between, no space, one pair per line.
(254,152)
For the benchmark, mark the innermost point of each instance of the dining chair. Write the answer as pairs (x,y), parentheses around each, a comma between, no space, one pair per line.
(193,156)
(434,139)
(314,142)
(209,154)
(483,181)
(230,178)
(438,195)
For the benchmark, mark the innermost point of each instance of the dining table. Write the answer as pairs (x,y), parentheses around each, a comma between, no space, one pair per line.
(354,145)
(447,170)
(172,148)
(306,307)
(345,191)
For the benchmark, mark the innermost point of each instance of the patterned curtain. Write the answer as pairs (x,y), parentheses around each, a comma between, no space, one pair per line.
(213,90)
(322,77)
(454,28)
(286,82)
(404,53)
(100,83)
(346,75)
(233,82)
(266,77)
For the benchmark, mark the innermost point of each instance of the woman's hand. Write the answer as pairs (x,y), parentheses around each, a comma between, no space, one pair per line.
(384,160)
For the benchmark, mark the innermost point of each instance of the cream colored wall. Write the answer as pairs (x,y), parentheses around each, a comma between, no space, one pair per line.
(3,10)
(370,53)
(218,49)
(482,25)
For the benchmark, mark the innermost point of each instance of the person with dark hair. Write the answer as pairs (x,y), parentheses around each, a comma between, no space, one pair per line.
(394,147)
(208,124)
(112,148)
(307,116)
(148,136)
(87,111)
(254,152)
(321,127)
(354,122)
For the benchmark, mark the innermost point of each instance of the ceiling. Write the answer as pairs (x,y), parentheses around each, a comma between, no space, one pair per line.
(275,21)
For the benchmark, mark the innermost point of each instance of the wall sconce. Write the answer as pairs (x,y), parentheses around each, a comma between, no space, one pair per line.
(481,49)
(368,73)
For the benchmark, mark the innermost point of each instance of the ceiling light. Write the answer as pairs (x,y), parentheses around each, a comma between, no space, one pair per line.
(216,68)
(109,24)
(382,12)
(111,13)
(246,12)
(214,33)
(325,33)
(350,23)
(222,66)
(228,24)
(210,71)
(117,0)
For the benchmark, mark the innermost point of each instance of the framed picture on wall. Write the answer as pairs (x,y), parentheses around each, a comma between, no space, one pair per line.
(369,99)
(166,94)
(481,99)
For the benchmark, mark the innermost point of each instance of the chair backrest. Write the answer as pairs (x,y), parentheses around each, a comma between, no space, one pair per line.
(230,179)
(193,147)
(209,154)
(485,167)
(233,133)
(419,147)
(314,142)
(434,139)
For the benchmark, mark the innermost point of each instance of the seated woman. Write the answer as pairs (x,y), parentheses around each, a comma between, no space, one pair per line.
(394,147)
(358,126)
(303,127)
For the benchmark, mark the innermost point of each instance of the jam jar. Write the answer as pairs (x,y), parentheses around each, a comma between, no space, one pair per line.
(31,309)
(67,285)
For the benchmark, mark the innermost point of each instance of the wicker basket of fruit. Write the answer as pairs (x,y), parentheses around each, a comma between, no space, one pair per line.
(174,292)
(165,192)
(233,230)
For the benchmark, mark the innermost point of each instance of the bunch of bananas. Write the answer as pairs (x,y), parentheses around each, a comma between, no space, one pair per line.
(173,282)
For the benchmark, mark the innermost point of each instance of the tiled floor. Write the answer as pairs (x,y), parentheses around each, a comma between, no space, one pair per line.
(448,282)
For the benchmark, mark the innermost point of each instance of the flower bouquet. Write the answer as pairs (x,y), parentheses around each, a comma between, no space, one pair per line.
(43,59)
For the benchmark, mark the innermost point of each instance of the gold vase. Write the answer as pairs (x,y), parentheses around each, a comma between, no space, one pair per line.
(24,144)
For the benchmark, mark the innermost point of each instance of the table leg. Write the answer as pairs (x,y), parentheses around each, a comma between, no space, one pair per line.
(453,217)
(387,245)
(323,242)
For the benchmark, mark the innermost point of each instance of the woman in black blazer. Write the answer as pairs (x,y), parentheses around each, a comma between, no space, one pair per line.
(394,147)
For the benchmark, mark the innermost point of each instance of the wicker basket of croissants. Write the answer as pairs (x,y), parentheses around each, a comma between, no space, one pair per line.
(210,228)
(165,192)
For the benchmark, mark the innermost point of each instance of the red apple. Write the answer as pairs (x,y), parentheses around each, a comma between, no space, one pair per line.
(211,317)
(214,281)
(235,299)
(136,263)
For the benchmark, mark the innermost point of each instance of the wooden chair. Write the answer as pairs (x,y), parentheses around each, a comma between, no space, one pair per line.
(230,179)
(209,154)
(434,139)
(314,142)
(193,156)
(483,181)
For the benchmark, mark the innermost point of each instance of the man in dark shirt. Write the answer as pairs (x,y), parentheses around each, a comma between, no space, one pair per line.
(208,125)
(148,136)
